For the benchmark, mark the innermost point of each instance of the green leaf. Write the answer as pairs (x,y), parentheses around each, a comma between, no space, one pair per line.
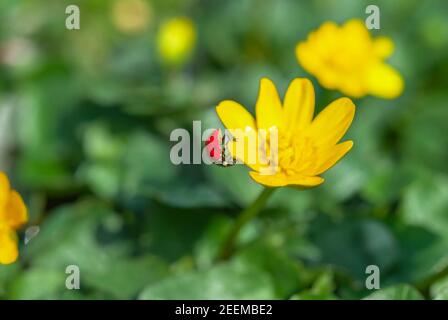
(86,235)
(102,177)
(101,144)
(297,202)
(425,203)
(71,236)
(225,281)
(424,137)
(38,283)
(162,224)
(354,244)
(423,254)
(322,289)
(397,292)
(208,246)
(324,284)
(125,278)
(128,166)
(147,165)
(439,290)
(286,274)
(308,295)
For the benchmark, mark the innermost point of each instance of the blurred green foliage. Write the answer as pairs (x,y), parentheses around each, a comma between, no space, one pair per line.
(85,138)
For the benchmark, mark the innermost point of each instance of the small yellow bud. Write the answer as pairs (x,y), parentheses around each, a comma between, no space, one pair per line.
(176,40)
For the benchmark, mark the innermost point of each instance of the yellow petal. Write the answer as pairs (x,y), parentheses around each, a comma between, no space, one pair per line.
(326,37)
(268,108)
(298,105)
(331,157)
(8,246)
(331,123)
(4,189)
(280,180)
(235,116)
(353,86)
(323,39)
(245,149)
(356,35)
(384,81)
(307,58)
(14,213)
(383,47)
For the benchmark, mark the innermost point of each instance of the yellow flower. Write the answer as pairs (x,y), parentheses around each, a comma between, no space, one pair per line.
(175,40)
(13,215)
(306,147)
(348,59)
(131,16)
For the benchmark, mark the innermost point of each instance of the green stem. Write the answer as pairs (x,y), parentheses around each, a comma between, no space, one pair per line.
(245,216)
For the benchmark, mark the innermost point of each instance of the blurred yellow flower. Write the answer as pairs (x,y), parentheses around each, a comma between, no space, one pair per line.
(131,16)
(348,59)
(306,147)
(176,40)
(13,214)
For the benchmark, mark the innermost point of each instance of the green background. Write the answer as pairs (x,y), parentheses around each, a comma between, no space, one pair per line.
(85,122)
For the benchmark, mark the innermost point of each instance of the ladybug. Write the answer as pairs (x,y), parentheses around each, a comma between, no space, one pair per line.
(216,146)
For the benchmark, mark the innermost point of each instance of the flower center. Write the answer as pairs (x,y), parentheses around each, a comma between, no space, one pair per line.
(295,154)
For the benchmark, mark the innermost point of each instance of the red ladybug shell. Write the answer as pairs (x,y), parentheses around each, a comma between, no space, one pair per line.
(213,145)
